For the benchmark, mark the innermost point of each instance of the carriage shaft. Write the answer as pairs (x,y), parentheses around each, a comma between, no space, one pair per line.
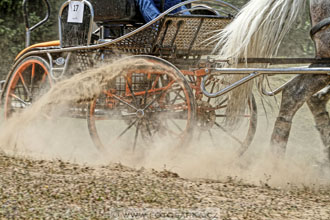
(260,71)
(253,73)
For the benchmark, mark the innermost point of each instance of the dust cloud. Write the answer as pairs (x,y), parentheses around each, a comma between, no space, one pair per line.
(42,132)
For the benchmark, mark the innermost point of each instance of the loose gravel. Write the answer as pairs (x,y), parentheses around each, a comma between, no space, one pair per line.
(40,189)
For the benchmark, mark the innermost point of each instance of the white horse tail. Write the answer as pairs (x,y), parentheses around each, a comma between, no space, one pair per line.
(257,31)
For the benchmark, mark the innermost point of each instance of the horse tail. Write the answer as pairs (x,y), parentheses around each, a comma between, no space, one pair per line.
(257,31)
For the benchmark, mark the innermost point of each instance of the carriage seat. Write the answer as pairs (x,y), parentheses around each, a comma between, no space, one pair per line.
(116,11)
(112,15)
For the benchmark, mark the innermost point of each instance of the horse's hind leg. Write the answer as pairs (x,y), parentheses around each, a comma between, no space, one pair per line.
(293,97)
(317,104)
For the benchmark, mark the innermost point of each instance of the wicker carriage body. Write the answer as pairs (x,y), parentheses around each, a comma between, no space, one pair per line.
(174,36)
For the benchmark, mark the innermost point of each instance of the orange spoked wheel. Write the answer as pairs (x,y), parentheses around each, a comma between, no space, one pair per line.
(213,125)
(29,80)
(149,102)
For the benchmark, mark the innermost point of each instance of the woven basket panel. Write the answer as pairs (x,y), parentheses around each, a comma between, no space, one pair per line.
(185,35)
(141,42)
(193,35)
(209,28)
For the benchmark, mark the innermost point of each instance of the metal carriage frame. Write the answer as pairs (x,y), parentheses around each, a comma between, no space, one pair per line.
(176,81)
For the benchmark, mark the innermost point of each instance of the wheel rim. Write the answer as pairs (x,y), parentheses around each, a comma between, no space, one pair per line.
(144,105)
(28,82)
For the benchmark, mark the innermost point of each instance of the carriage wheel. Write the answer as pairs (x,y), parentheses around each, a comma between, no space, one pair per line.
(241,135)
(29,80)
(147,102)
(212,124)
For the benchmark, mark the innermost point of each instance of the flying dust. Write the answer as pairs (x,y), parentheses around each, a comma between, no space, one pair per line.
(42,132)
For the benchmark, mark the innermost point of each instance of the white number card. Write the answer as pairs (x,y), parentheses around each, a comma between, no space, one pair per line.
(76,12)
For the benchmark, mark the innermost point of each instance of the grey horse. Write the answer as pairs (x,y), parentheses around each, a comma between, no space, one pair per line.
(257,31)
(312,89)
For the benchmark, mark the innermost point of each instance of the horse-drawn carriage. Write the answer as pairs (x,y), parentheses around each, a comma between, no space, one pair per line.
(167,85)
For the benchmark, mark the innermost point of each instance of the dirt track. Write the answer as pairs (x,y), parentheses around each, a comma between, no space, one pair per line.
(55,189)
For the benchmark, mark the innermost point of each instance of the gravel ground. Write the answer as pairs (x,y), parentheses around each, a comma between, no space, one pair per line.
(39,189)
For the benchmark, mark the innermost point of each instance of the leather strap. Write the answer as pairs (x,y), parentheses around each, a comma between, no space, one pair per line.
(162,6)
(319,26)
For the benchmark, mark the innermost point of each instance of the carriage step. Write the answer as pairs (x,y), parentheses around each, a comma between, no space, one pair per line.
(57,73)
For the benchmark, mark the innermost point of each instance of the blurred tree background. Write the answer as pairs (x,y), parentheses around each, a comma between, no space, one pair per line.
(12,30)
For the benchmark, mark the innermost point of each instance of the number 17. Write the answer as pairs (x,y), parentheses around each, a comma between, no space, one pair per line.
(75,7)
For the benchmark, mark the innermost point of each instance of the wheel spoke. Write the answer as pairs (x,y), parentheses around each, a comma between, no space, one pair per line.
(109,116)
(176,125)
(19,99)
(176,96)
(129,126)
(160,94)
(147,121)
(136,135)
(228,133)
(222,102)
(155,82)
(124,102)
(24,85)
(177,93)
(224,116)
(146,93)
(18,89)
(129,85)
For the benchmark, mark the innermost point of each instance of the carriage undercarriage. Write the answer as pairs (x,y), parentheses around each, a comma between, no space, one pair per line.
(169,87)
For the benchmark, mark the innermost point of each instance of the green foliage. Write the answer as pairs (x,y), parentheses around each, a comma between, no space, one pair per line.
(10,32)
(10,6)
(12,28)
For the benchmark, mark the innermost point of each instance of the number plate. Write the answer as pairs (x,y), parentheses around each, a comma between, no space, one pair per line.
(76,12)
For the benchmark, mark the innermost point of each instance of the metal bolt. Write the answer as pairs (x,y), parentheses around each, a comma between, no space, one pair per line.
(60,61)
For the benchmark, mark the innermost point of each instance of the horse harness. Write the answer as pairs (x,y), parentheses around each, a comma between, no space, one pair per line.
(319,26)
